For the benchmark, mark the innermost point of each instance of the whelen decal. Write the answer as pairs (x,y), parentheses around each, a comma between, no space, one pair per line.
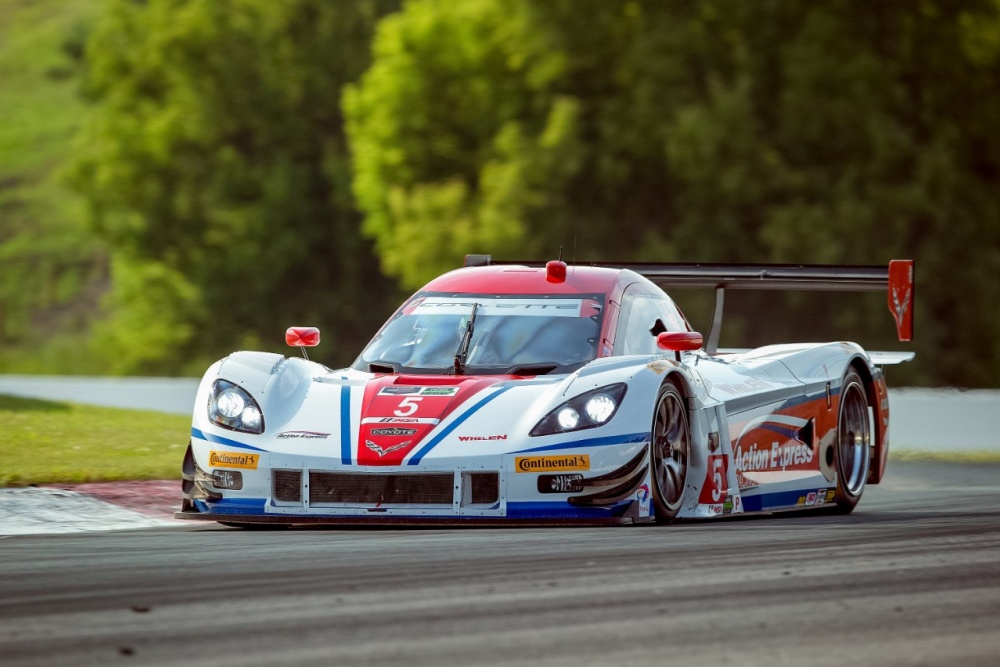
(433,442)
(233,460)
(552,463)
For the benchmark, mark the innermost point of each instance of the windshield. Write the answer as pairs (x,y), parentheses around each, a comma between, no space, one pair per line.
(512,334)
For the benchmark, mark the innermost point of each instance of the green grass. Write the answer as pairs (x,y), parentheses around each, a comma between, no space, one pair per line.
(972,456)
(44,442)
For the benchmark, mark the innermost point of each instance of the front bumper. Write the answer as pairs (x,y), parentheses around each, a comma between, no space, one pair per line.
(478,491)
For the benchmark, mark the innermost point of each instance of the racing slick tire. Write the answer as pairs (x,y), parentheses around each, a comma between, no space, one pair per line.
(670,450)
(854,443)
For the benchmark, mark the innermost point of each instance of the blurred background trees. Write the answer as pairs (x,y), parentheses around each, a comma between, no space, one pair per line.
(249,164)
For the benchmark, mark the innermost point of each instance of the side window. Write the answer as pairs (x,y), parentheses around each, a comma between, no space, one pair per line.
(644,315)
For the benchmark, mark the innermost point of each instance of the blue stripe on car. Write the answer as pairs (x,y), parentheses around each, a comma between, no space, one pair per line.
(433,442)
(208,437)
(242,506)
(562,510)
(624,439)
(345,424)
(764,502)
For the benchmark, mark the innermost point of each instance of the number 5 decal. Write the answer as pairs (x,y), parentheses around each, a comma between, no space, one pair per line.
(716,486)
(408,406)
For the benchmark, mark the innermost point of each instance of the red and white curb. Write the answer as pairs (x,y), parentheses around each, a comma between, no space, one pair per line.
(77,508)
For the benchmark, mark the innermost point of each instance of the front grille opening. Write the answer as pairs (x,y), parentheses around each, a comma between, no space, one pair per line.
(480,488)
(286,486)
(381,488)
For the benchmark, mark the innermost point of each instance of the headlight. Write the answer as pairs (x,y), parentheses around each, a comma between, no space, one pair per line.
(233,408)
(588,410)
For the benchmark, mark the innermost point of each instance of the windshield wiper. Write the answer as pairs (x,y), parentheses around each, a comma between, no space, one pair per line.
(532,369)
(463,347)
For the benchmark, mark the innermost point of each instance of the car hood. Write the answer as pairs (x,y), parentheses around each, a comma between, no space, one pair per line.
(389,420)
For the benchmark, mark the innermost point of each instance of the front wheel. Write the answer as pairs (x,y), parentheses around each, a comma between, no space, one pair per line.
(854,443)
(670,449)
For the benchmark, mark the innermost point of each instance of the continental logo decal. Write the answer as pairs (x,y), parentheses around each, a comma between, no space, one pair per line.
(552,463)
(233,460)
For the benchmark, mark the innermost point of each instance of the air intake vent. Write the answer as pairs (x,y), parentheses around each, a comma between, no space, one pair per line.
(326,488)
(480,488)
(286,486)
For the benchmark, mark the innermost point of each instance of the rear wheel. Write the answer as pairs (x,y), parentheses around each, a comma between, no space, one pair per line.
(670,449)
(854,443)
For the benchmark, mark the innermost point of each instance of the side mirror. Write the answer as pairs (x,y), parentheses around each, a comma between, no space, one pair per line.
(678,341)
(302,337)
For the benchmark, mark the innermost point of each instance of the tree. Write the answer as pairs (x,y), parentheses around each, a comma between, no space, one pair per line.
(837,132)
(216,168)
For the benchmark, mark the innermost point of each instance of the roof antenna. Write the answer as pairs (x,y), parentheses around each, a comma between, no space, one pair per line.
(559,259)
(574,254)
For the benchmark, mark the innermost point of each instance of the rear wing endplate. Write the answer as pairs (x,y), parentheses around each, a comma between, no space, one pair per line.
(896,278)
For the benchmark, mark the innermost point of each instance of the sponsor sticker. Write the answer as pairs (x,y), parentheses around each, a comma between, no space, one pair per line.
(642,495)
(821,497)
(658,367)
(748,386)
(550,463)
(406,390)
(306,435)
(439,391)
(469,438)
(831,495)
(400,420)
(393,431)
(233,460)
(399,390)
(801,500)
(499,307)
(791,454)
(811,498)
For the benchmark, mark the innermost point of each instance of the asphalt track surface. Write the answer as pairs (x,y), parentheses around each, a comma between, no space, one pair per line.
(912,577)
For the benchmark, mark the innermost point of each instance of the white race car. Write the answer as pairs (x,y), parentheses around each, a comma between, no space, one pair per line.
(511,393)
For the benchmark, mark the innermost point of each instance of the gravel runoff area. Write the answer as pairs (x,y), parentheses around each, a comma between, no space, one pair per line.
(75,508)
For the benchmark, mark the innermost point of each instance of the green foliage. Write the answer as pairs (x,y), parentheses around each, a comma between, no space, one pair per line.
(46,442)
(216,167)
(217,175)
(837,132)
(51,269)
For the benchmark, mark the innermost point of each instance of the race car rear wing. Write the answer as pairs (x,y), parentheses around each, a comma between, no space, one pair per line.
(897,279)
